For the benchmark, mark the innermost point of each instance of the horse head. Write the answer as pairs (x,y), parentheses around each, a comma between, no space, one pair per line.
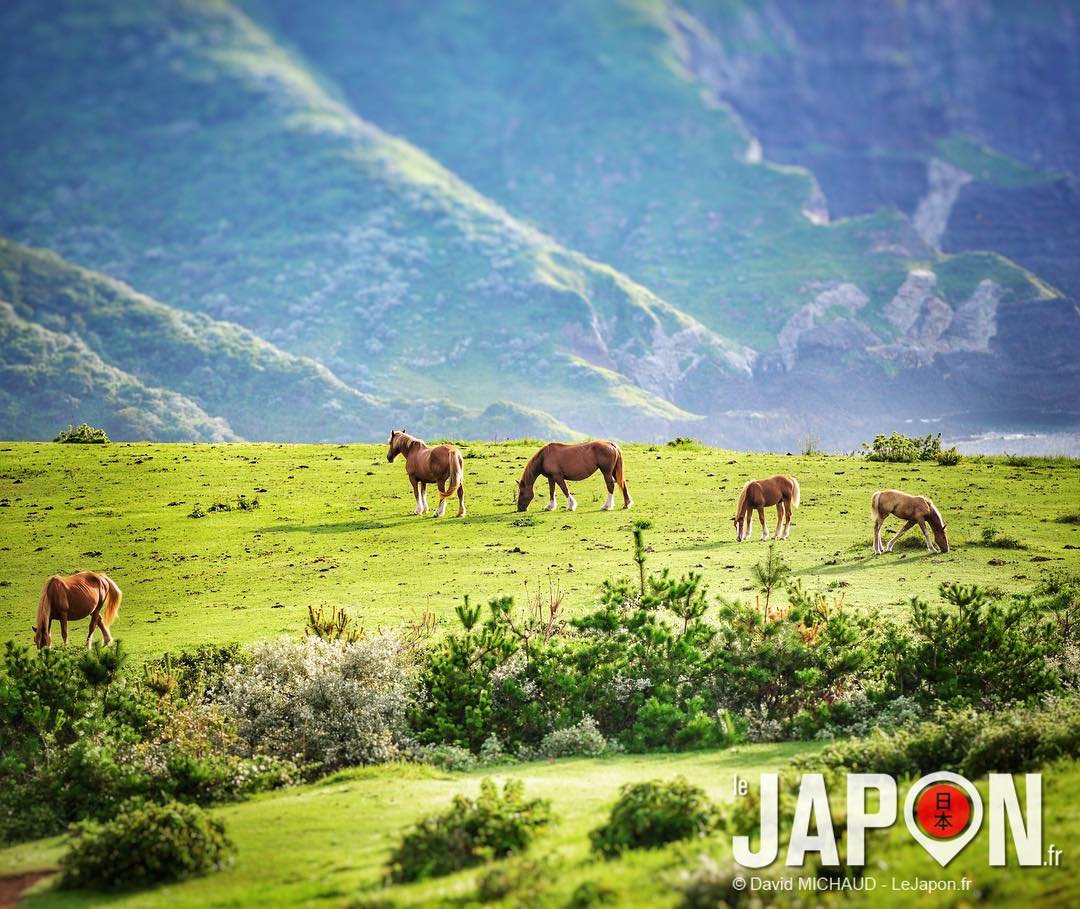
(523,494)
(42,636)
(941,539)
(738,528)
(393,444)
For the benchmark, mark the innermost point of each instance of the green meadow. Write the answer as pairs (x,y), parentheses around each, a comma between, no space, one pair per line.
(334,525)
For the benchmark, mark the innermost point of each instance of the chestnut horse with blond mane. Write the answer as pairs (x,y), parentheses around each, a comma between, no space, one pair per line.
(560,462)
(912,509)
(439,464)
(757,495)
(87,593)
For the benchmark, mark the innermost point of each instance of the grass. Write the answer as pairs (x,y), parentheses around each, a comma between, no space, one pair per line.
(326,845)
(334,526)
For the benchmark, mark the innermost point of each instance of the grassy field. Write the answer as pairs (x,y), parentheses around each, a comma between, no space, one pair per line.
(327,844)
(335,525)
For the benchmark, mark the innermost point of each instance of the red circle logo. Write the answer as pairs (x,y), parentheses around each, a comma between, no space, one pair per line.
(943,810)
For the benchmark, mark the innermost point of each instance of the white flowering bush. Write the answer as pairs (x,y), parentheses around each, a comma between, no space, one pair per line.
(583,739)
(328,703)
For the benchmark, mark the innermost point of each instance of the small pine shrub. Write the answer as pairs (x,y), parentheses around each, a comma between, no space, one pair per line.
(144,845)
(332,626)
(684,442)
(197,511)
(83,434)
(470,832)
(654,813)
(994,540)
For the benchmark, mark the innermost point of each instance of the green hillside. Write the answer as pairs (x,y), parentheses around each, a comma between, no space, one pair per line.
(541,206)
(313,228)
(335,525)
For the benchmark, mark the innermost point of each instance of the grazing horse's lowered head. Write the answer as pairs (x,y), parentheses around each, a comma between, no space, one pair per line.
(523,495)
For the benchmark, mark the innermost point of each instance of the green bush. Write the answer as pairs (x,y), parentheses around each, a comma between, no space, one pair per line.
(144,845)
(654,813)
(966,741)
(82,434)
(898,448)
(949,457)
(470,832)
(991,538)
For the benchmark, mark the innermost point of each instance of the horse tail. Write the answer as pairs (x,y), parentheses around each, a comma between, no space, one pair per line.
(741,507)
(457,473)
(113,595)
(620,476)
(795,492)
(874,513)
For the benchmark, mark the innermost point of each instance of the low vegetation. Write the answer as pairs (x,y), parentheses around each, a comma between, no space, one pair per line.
(146,844)
(898,448)
(652,814)
(82,434)
(470,832)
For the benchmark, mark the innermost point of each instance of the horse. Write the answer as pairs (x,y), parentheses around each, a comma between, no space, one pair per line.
(87,593)
(757,495)
(913,509)
(560,462)
(439,464)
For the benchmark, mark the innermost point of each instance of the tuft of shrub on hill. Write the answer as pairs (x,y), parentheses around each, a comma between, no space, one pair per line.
(83,434)
(897,448)
(146,844)
(470,832)
(654,813)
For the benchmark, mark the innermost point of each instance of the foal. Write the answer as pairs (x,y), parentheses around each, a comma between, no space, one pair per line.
(439,464)
(913,509)
(757,495)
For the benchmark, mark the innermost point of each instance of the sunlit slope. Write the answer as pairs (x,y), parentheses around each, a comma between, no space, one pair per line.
(182,149)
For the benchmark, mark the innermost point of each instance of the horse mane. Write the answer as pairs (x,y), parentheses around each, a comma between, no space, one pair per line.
(532,470)
(408,443)
(936,520)
(742,499)
(44,611)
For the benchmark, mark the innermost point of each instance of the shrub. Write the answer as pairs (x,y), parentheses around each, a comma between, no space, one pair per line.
(684,442)
(525,880)
(470,832)
(991,538)
(949,457)
(1072,517)
(584,739)
(144,845)
(82,434)
(964,740)
(333,626)
(654,813)
(811,445)
(708,885)
(898,448)
(325,703)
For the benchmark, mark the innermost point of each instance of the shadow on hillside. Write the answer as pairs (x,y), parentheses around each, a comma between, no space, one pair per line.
(361,524)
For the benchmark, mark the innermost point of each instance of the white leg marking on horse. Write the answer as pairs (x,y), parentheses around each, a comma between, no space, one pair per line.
(441,510)
(610,503)
(571,502)
(552,505)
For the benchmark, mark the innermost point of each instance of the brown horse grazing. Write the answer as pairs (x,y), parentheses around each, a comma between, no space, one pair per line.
(439,464)
(559,463)
(757,495)
(913,509)
(76,597)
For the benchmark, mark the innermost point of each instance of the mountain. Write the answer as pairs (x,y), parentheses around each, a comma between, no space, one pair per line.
(574,217)
(78,345)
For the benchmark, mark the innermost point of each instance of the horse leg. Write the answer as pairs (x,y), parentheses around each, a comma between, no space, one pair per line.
(416,494)
(779,532)
(571,502)
(902,531)
(764,526)
(552,504)
(461,500)
(609,481)
(879,548)
(441,510)
(63,627)
(749,523)
(926,536)
(95,620)
(423,498)
(787,517)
